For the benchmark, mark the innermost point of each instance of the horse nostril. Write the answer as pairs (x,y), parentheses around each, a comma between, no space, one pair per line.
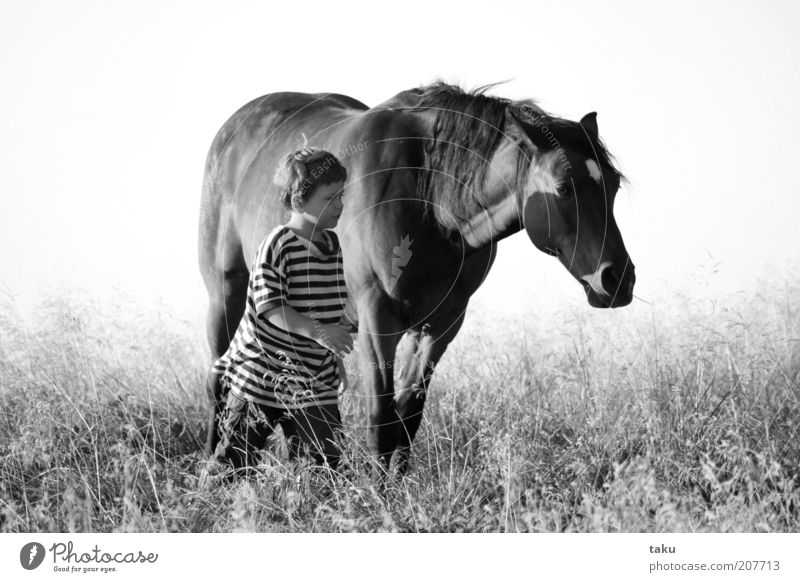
(609,280)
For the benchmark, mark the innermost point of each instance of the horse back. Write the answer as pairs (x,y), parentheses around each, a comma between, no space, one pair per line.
(264,122)
(239,205)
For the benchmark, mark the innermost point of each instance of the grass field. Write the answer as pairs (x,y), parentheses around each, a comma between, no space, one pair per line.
(640,420)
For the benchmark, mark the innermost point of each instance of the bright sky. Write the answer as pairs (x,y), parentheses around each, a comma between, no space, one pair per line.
(107,111)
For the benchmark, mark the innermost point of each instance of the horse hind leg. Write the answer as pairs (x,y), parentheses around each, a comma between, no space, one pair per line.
(225,311)
(418,354)
(225,275)
(410,396)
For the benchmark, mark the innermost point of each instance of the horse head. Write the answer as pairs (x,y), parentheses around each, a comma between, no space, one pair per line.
(567,203)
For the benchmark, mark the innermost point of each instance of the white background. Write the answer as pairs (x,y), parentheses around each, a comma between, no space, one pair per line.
(107,110)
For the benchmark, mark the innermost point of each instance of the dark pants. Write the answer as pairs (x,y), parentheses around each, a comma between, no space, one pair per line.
(244,427)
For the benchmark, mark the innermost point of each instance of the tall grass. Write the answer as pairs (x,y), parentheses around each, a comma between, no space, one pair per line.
(632,420)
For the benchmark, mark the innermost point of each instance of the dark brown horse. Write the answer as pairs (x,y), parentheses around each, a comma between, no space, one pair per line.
(436,177)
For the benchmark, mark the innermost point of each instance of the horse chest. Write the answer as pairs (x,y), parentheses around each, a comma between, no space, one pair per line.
(425,288)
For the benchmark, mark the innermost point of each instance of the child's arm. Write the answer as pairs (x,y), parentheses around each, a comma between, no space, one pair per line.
(271,293)
(289,319)
(344,383)
(331,336)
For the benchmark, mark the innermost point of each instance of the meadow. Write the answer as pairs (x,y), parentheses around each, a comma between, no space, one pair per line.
(678,416)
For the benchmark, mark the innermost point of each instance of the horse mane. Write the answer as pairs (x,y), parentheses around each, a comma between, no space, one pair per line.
(468,129)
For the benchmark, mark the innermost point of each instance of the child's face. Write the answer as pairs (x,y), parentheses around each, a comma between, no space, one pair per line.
(326,204)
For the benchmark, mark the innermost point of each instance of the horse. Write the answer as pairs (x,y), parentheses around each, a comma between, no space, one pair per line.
(437,176)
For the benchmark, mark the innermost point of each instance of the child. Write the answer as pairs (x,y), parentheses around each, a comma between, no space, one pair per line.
(281,367)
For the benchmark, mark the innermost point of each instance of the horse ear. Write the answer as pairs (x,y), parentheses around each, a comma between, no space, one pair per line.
(589,122)
(515,131)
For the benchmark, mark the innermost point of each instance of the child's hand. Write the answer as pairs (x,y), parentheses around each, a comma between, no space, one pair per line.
(335,338)
(344,383)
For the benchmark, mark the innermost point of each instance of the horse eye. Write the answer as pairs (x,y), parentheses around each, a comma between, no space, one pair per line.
(564,190)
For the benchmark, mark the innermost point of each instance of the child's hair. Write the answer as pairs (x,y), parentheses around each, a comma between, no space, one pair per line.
(302,171)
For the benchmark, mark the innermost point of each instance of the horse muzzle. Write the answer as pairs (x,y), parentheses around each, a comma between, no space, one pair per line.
(610,286)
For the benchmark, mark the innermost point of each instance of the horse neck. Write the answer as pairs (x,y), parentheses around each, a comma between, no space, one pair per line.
(490,224)
(493,210)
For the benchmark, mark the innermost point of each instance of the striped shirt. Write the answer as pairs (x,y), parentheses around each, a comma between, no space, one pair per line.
(278,368)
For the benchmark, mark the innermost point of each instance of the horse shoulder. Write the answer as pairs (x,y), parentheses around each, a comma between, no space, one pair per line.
(393,140)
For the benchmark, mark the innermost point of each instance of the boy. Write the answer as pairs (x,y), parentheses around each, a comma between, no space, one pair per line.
(281,367)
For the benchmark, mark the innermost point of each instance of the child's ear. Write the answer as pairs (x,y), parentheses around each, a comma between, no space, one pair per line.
(297,203)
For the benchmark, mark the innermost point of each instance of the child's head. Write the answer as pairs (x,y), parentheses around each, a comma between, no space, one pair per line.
(307,176)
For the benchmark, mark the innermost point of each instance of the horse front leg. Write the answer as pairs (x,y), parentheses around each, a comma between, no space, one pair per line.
(418,354)
(379,332)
